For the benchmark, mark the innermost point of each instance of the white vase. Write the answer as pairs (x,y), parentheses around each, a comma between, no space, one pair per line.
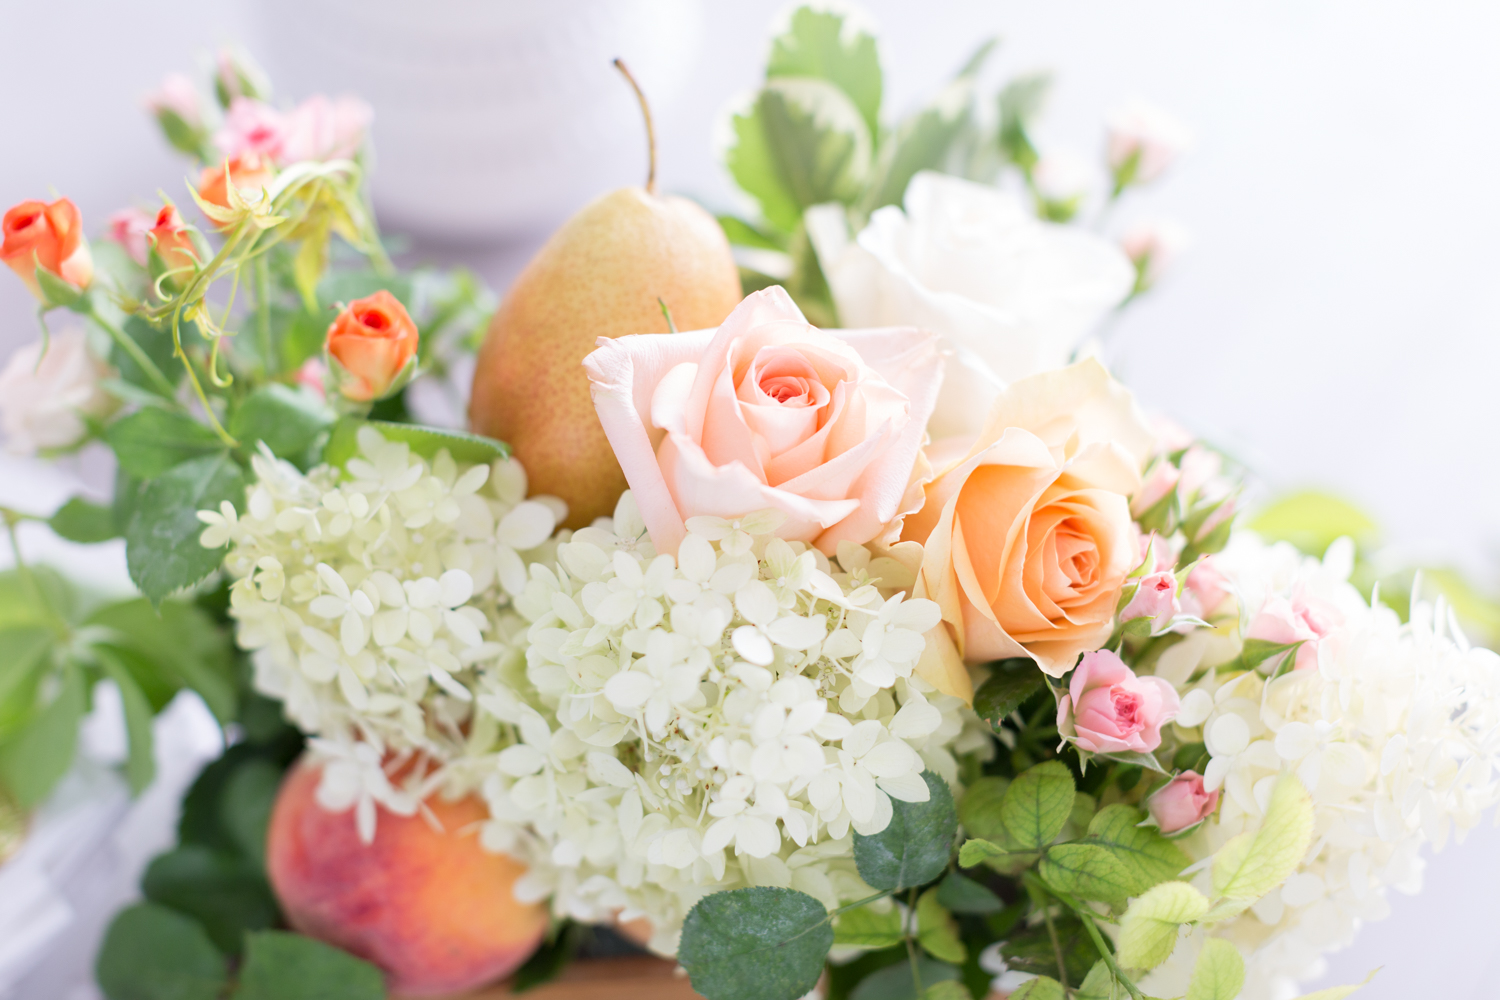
(494,119)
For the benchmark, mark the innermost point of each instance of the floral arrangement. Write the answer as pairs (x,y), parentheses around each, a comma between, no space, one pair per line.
(913,659)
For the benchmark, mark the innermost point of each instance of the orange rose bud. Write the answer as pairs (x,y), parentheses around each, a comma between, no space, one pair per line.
(50,236)
(171,240)
(249,172)
(370,347)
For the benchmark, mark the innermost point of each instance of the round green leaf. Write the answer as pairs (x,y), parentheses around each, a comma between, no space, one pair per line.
(280,965)
(761,943)
(151,953)
(914,849)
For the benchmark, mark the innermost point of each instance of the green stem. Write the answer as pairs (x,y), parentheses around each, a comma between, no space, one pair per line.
(911,948)
(1087,917)
(263,314)
(1057,952)
(130,347)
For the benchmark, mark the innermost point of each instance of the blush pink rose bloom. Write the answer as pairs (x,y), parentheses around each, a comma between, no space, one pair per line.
(1181,803)
(768,412)
(321,128)
(1155,598)
(1108,709)
(1298,619)
(252,126)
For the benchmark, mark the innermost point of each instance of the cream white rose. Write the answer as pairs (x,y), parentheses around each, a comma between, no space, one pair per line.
(44,405)
(1010,295)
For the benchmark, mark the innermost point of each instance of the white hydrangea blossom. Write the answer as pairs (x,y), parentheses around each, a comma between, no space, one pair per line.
(1395,733)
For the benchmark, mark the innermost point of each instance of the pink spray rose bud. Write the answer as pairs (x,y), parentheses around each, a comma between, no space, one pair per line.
(1159,480)
(1143,142)
(1108,709)
(128,227)
(1155,598)
(1151,247)
(312,376)
(324,129)
(237,75)
(1182,803)
(176,96)
(1299,619)
(1204,589)
(252,126)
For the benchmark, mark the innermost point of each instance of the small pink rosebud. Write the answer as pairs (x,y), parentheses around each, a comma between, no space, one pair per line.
(1160,479)
(252,127)
(128,227)
(178,96)
(1063,175)
(1303,619)
(312,375)
(237,75)
(1221,513)
(1143,142)
(1155,598)
(1108,709)
(1151,247)
(1204,589)
(1182,803)
(1200,473)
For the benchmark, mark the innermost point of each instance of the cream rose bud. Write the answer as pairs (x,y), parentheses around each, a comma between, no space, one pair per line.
(768,412)
(1143,142)
(1108,709)
(1026,530)
(1182,803)
(43,405)
(1009,295)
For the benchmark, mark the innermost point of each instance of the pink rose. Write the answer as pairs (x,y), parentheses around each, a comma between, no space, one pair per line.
(1155,598)
(1204,589)
(825,426)
(252,126)
(1155,485)
(179,96)
(1300,619)
(1108,709)
(323,129)
(1182,803)
(1152,247)
(129,228)
(1143,142)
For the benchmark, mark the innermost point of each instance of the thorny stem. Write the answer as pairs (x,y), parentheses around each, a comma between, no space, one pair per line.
(650,129)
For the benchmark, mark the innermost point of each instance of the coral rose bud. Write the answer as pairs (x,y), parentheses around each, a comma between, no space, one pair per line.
(49,236)
(170,239)
(1155,598)
(1108,709)
(249,174)
(1182,803)
(129,228)
(371,346)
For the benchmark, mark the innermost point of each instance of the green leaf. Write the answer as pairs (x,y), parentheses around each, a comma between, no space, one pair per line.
(866,928)
(1040,988)
(1312,520)
(962,894)
(1146,856)
(914,848)
(288,420)
(153,439)
(228,895)
(742,234)
(895,982)
(161,539)
(24,650)
(761,943)
(177,641)
(140,764)
(1087,871)
(979,811)
(1100,984)
(1030,950)
(1134,758)
(36,757)
(802,143)
(947,989)
(548,961)
(1010,683)
(1148,931)
(1219,973)
(58,293)
(1019,103)
(824,44)
(342,287)
(976,851)
(473,449)
(245,805)
(82,521)
(151,953)
(1252,864)
(156,343)
(280,965)
(937,931)
(1037,804)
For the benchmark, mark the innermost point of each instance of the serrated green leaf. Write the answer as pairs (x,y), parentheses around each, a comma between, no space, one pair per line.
(1147,856)
(1219,973)
(895,982)
(1226,909)
(286,419)
(1040,988)
(1148,931)
(915,846)
(1037,804)
(761,943)
(177,641)
(34,759)
(228,895)
(976,851)
(82,521)
(153,439)
(1100,984)
(280,965)
(979,811)
(937,931)
(823,44)
(1252,864)
(962,894)
(1010,683)
(1031,949)
(947,989)
(161,540)
(151,953)
(140,762)
(1087,871)
(425,441)
(865,928)
(156,344)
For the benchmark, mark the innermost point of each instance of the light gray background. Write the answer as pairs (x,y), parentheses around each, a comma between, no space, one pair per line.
(1334,322)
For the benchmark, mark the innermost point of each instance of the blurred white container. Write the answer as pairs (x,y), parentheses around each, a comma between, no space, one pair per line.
(494,119)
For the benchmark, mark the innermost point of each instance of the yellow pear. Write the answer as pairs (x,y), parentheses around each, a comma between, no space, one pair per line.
(606,273)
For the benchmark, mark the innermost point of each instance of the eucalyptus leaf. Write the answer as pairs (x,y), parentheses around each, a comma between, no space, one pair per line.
(824,44)
(280,965)
(152,953)
(161,539)
(761,943)
(153,439)
(343,443)
(915,846)
(35,758)
(1010,683)
(895,982)
(83,521)
(1037,804)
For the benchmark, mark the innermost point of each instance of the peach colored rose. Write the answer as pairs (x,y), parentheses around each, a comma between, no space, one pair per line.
(825,426)
(249,174)
(370,345)
(171,240)
(51,236)
(1182,803)
(1108,709)
(1027,528)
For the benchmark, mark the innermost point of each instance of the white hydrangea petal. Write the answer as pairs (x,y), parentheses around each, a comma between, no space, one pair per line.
(526,526)
(908,787)
(629,690)
(755,601)
(454,588)
(1196,706)
(753,645)
(796,632)
(889,759)
(608,769)
(1227,735)
(916,720)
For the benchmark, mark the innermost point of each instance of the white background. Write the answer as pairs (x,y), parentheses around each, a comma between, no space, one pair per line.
(1335,321)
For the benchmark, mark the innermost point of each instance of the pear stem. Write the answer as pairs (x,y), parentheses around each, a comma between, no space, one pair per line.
(650,128)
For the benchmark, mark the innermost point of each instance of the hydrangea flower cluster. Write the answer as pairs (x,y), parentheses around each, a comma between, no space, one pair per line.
(1394,730)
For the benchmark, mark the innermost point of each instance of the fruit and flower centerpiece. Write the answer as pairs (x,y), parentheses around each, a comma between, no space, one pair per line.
(805,603)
